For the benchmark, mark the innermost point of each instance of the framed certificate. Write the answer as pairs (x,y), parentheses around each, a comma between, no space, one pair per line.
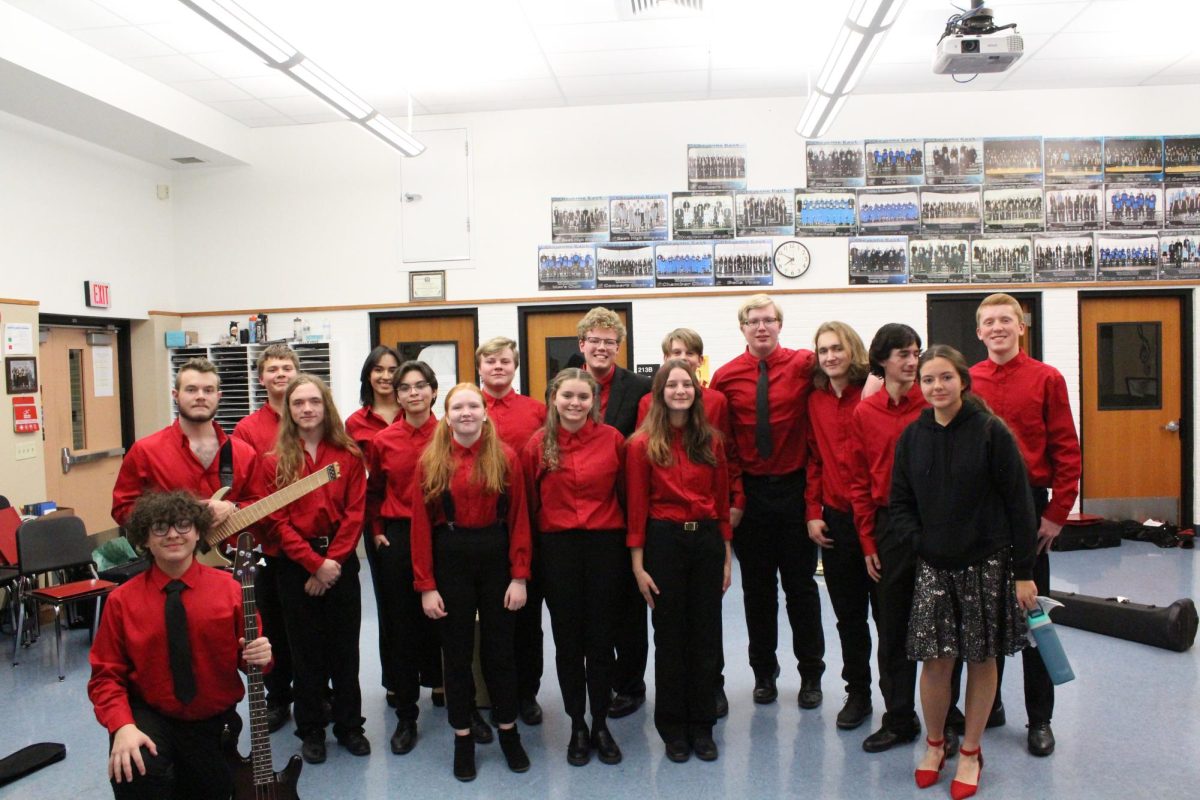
(426,286)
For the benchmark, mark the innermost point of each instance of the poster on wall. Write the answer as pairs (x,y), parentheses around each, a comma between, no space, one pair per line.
(744,263)
(950,209)
(826,212)
(1126,257)
(888,211)
(894,162)
(878,260)
(716,167)
(834,164)
(949,161)
(683,264)
(1181,158)
(1062,259)
(1133,158)
(1074,160)
(1133,206)
(1012,160)
(1075,208)
(1183,206)
(939,260)
(764,213)
(1013,209)
(638,218)
(702,215)
(625,266)
(566,268)
(1001,259)
(1180,255)
(578,219)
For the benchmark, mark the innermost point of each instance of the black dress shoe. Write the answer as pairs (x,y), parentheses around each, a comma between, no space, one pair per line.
(625,704)
(765,690)
(810,695)
(313,749)
(997,719)
(277,717)
(355,743)
(606,748)
(391,699)
(705,748)
(679,750)
(405,737)
(514,754)
(855,711)
(722,704)
(955,721)
(480,729)
(1041,739)
(885,739)
(579,749)
(438,698)
(464,757)
(531,712)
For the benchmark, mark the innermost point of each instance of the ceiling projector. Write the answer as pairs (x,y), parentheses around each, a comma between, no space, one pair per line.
(972,43)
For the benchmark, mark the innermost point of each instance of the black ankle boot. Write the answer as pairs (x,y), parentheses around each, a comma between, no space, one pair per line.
(464,757)
(514,753)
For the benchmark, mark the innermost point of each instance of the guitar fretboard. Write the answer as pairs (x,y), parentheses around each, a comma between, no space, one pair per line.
(260,738)
(245,517)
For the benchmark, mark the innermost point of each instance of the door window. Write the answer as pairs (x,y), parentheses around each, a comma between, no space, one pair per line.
(1129,358)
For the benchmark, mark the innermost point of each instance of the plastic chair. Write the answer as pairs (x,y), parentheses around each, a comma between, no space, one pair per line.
(50,544)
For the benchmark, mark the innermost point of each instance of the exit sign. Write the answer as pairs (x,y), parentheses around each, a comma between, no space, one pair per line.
(95,294)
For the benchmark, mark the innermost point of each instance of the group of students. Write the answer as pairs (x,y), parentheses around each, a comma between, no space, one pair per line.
(617,494)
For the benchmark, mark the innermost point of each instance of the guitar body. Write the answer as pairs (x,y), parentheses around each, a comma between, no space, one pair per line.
(281,787)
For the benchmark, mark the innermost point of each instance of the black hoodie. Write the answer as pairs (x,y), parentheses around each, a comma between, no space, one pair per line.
(960,492)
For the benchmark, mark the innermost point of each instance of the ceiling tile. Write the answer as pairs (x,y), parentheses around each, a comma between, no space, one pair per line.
(146,12)
(316,119)
(190,36)
(123,42)
(211,91)
(1188,65)
(622,35)
(300,105)
(556,12)
(248,111)
(496,105)
(233,62)
(524,90)
(645,83)
(275,84)
(171,69)
(1163,79)
(631,99)
(1041,73)
(68,15)
(606,62)
(1133,43)
(758,81)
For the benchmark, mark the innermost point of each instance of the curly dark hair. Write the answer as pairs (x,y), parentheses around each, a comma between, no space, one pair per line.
(155,507)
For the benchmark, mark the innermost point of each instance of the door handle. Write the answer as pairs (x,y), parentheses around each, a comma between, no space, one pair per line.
(1172,426)
(69,460)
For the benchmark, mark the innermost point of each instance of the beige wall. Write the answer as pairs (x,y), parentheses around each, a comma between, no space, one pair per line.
(151,373)
(21,481)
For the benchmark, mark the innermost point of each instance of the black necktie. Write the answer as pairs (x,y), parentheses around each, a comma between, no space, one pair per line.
(762,406)
(179,650)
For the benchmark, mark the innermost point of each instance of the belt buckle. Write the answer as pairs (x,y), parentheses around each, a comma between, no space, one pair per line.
(691,526)
(320,542)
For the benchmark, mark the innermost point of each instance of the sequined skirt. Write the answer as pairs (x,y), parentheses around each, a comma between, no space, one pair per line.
(969,613)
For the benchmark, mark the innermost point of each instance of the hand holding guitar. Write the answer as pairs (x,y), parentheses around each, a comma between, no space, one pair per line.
(257,653)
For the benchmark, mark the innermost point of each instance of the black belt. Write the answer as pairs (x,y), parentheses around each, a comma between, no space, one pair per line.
(688,527)
(788,476)
(320,544)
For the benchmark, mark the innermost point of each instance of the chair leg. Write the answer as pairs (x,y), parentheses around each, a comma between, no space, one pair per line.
(19,632)
(58,634)
(95,621)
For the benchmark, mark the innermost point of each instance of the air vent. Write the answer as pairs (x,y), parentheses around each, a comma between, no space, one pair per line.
(189,160)
(658,9)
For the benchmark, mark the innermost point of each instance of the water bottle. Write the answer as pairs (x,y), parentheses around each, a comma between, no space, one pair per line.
(1049,647)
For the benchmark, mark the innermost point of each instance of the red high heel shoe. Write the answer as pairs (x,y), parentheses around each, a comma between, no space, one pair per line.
(928,777)
(960,790)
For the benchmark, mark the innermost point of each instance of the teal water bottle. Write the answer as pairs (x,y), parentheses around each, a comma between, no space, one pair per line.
(1049,647)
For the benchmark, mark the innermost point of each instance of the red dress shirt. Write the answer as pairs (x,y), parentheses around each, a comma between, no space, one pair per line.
(830,449)
(364,425)
(878,423)
(259,429)
(474,507)
(789,376)
(1032,398)
(582,492)
(680,492)
(516,417)
(392,468)
(335,510)
(164,461)
(129,656)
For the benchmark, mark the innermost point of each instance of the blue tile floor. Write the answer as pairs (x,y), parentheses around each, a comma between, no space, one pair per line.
(1128,727)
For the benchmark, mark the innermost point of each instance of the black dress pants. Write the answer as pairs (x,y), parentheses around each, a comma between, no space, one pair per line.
(412,655)
(324,632)
(530,640)
(387,679)
(190,764)
(472,570)
(583,575)
(772,540)
(897,674)
(277,682)
(632,639)
(688,568)
(852,594)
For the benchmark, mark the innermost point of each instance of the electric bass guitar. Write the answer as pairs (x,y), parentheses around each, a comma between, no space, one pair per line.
(210,552)
(254,777)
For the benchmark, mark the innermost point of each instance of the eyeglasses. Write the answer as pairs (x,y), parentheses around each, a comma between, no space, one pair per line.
(405,388)
(765,322)
(163,528)
(596,340)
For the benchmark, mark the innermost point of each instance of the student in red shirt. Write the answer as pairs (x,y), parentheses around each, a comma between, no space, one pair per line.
(517,418)
(412,655)
(1032,398)
(318,579)
(837,388)
(470,551)
(677,489)
(166,723)
(277,365)
(574,468)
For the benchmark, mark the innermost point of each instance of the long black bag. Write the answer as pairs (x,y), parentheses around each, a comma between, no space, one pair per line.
(1171,627)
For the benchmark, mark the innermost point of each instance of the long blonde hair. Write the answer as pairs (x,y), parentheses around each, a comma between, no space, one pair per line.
(550,441)
(289,447)
(438,461)
(698,434)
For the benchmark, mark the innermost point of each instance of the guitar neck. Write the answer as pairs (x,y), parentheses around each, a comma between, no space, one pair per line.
(260,737)
(243,518)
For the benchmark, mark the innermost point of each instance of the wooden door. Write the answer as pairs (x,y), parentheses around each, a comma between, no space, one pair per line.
(446,342)
(81,400)
(551,339)
(1132,407)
